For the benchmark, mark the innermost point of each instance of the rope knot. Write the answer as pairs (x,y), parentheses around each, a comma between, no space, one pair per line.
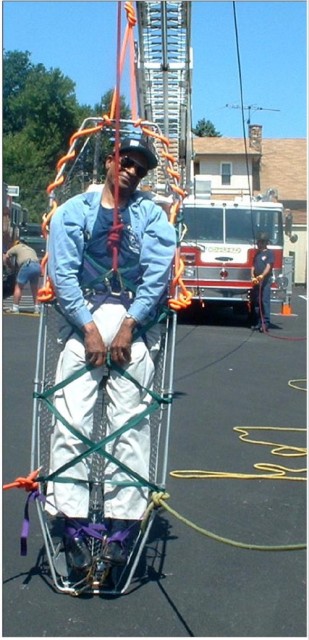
(114,236)
(158,496)
(130,14)
(46,293)
(28,483)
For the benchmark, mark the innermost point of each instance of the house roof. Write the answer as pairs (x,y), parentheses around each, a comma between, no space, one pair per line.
(220,146)
(284,167)
(283,162)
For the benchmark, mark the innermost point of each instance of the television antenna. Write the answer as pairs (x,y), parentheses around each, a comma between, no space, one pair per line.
(251,107)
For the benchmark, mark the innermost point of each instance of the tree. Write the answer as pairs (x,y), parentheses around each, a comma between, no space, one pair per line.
(24,165)
(17,67)
(206,129)
(40,115)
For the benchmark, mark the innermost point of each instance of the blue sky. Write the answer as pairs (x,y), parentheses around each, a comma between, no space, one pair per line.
(80,39)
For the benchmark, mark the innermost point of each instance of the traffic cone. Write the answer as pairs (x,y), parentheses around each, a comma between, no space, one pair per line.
(286,309)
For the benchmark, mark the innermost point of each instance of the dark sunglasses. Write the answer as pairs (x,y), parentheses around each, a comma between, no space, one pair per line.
(127,163)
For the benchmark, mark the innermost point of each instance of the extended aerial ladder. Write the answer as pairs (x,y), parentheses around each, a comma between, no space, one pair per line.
(164,72)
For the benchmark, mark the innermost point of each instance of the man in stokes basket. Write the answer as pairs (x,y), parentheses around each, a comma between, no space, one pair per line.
(105,317)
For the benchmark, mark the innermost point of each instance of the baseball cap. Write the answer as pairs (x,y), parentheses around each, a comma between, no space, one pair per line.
(140,145)
(263,237)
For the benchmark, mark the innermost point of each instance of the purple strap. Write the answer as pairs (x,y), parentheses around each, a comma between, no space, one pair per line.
(34,495)
(90,529)
(121,536)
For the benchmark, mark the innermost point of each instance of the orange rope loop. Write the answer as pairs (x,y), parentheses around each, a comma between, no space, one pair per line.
(47,217)
(28,483)
(173,173)
(179,190)
(179,269)
(169,157)
(66,158)
(149,132)
(184,297)
(174,211)
(182,302)
(44,263)
(85,132)
(46,293)
(54,184)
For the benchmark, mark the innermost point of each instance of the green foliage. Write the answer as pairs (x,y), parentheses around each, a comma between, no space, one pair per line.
(40,115)
(24,165)
(17,67)
(205,128)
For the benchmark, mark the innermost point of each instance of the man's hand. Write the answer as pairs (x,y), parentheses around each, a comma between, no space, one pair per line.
(120,348)
(256,280)
(94,346)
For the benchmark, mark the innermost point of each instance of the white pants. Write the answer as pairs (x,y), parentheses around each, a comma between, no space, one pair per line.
(76,402)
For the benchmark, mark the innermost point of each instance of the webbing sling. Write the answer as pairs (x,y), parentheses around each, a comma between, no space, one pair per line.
(107,275)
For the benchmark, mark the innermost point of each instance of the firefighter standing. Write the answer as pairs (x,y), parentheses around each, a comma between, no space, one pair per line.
(261,273)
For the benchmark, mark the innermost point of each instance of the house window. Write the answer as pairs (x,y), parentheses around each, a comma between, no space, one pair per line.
(196,168)
(226,172)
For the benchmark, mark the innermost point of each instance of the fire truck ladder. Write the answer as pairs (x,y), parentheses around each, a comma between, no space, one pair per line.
(164,69)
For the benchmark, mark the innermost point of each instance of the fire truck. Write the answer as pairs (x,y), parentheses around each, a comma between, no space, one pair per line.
(219,245)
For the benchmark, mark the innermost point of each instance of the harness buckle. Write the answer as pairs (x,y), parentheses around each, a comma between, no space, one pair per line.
(113,286)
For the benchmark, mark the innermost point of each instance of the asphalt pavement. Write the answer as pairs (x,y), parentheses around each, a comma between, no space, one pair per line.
(189,583)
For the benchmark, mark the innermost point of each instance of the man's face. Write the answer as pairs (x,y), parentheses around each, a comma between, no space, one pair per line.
(132,168)
(262,245)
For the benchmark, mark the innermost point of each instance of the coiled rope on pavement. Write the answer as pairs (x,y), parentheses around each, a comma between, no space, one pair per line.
(274,472)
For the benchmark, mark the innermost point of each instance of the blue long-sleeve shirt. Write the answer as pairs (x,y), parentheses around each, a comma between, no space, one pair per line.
(150,239)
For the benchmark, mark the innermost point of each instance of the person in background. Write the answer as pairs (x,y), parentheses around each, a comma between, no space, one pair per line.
(261,274)
(29,270)
(103,318)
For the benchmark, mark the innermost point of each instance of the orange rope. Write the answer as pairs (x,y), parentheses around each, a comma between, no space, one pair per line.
(133,90)
(28,483)
(46,219)
(85,132)
(55,184)
(46,293)
(128,37)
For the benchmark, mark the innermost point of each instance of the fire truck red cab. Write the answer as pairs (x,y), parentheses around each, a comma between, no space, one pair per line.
(219,242)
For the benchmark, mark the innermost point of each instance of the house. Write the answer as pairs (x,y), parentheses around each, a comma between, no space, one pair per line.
(240,166)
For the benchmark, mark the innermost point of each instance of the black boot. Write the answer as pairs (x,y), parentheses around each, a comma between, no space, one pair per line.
(77,552)
(114,550)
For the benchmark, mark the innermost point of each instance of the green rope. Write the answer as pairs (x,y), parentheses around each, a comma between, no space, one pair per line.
(160,500)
